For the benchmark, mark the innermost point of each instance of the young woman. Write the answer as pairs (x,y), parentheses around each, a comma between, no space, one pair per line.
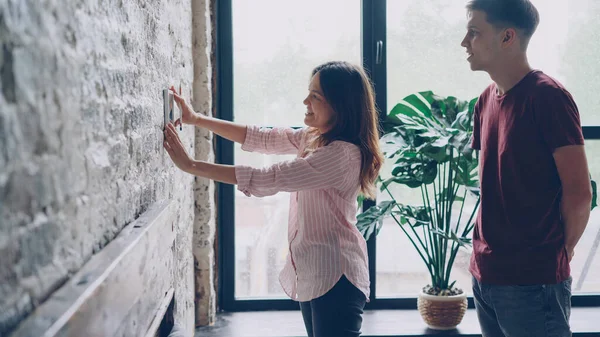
(338,156)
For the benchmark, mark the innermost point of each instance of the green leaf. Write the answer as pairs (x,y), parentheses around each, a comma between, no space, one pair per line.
(419,215)
(371,220)
(360,201)
(452,109)
(466,167)
(430,172)
(438,152)
(474,190)
(438,110)
(392,143)
(460,141)
(412,172)
(403,109)
(594,194)
(462,241)
(418,104)
(429,96)
(472,105)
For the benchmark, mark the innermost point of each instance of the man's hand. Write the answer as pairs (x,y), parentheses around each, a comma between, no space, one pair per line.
(570,253)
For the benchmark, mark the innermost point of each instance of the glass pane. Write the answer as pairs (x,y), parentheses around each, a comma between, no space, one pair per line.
(566,46)
(424,53)
(585,266)
(276,44)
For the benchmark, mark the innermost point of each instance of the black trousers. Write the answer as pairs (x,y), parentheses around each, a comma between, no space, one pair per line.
(338,313)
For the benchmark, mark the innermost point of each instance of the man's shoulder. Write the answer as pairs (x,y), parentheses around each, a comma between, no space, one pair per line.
(543,84)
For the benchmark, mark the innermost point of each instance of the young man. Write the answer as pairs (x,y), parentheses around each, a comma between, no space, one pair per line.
(535,187)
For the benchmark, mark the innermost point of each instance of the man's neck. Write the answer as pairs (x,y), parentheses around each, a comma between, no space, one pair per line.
(509,74)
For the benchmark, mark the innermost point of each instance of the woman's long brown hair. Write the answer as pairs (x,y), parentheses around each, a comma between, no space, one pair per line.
(349,92)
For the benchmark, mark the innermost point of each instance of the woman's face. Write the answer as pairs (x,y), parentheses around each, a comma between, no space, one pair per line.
(319,113)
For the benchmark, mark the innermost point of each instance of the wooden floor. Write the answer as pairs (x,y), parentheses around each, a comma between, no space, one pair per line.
(585,322)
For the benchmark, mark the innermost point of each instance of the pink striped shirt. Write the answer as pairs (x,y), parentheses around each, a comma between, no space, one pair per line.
(324,243)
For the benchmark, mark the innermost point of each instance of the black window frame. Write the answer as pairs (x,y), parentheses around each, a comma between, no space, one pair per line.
(373,32)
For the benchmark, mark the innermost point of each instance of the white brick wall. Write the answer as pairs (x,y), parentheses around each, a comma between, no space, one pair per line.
(81,137)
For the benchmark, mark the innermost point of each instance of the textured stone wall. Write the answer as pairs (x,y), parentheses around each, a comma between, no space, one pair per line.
(204,191)
(81,137)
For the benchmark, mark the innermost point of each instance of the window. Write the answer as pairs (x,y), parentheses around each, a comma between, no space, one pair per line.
(266,50)
(586,262)
(424,53)
(273,55)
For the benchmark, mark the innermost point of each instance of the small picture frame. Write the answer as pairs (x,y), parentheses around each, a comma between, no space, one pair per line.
(168,107)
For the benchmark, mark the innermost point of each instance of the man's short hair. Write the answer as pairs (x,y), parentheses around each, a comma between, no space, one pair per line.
(520,14)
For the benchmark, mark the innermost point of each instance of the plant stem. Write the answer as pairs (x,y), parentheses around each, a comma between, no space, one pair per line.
(437,239)
(468,226)
(453,252)
(446,221)
(429,233)
(427,263)
(410,225)
(461,211)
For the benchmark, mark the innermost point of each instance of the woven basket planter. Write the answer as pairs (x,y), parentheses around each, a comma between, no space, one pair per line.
(442,312)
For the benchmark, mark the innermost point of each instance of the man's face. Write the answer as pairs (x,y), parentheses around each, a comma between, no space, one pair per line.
(482,42)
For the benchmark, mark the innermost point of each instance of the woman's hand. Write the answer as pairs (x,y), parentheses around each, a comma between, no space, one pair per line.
(188,116)
(173,145)
(175,148)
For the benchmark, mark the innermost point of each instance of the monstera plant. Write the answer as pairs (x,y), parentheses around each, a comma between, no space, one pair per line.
(426,140)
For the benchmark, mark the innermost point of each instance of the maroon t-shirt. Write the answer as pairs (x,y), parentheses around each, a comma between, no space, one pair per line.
(519,236)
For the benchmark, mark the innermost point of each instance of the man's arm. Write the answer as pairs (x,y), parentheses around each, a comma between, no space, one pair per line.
(572,166)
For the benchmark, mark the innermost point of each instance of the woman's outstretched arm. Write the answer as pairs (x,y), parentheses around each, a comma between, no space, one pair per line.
(177,152)
(226,129)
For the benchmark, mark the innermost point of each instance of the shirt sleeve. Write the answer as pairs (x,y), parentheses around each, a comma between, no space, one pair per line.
(558,119)
(476,136)
(272,140)
(324,168)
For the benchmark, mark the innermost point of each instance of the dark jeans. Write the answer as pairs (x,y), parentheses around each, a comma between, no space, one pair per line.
(523,311)
(338,313)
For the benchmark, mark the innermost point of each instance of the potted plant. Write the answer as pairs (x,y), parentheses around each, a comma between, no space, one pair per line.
(427,139)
